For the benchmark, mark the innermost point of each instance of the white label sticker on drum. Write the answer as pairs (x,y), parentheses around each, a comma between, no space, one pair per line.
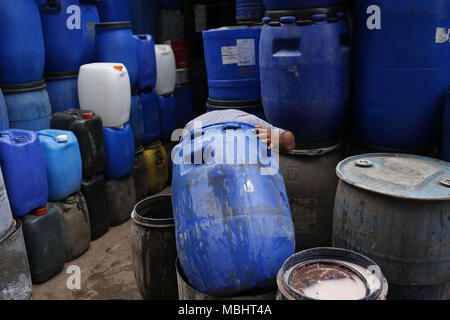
(246,52)
(442,35)
(229,55)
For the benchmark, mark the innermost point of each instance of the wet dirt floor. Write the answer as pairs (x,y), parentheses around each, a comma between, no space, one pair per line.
(106,270)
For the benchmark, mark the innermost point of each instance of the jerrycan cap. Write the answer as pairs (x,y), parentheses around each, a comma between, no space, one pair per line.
(87,115)
(62,138)
(118,67)
(70,200)
(288,20)
(40,211)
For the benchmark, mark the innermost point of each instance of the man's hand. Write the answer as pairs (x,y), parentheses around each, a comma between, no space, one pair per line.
(265,135)
(286,141)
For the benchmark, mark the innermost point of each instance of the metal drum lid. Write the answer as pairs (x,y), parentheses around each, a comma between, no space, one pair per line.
(398,175)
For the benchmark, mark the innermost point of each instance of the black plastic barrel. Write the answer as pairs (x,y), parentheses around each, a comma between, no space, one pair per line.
(87,127)
(154,249)
(75,225)
(44,242)
(94,191)
(120,199)
(253,107)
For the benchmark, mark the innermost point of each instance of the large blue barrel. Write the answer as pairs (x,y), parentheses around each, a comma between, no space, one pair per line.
(62,88)
(394,208)
(89,18)
(63,162)
(145,17)
(235,237)
(167,115)
(146,61)
(248,11)
(61,23)
(114,43)
(28,106)
(119,152)
(150,110)
(184,100)
(4,121)
(445,154)
(23,166)
(114,10)
(232,63)
(253,107)
(400,85)
(305,74)
(299,4)
(22,53)
(137,119)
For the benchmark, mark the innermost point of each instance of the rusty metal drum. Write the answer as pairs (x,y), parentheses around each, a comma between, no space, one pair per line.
(154,248)
(310,179)
(15,277)
(395,209)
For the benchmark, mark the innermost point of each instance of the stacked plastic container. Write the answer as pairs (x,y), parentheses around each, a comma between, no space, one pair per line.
(24,165)
(232,64)
(88,129)
(22,61)
(69,37)
(105,89)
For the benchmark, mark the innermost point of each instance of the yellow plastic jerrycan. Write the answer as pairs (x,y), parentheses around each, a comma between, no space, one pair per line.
(157,167)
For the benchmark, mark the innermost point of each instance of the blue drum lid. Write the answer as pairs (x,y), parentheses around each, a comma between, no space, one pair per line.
(398,175)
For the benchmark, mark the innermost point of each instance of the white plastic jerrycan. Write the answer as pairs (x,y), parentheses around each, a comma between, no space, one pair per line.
(105,89)
(165,69)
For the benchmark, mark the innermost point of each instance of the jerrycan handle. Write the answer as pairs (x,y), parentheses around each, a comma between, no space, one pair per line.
(18,139)
(51,6)
(62,138)
(232,126)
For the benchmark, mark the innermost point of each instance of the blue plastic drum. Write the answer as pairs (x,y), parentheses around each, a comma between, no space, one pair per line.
(114,43)
(184,99)
(63,37)
(145,16)
(22,53)
(63,163)
(168,115)
(232,63)
(115,10)
(402,72)
(150,110)
(24,171)
(146,61)
(28,106)
(249,11)
(119,152)
(137,119)
(62,90)
(305,74)
(89,18)
(235,236)
(4,121)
